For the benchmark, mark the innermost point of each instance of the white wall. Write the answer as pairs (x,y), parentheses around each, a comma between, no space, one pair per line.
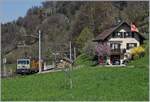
(124,41)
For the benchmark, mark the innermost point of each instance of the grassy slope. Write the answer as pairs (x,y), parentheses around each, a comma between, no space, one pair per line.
(89,83)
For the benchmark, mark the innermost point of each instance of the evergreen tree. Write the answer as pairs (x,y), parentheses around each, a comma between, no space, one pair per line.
(85,35)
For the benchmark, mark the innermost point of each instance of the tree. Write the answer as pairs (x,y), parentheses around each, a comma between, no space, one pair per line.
(103,49)
(85,35)
(89,48)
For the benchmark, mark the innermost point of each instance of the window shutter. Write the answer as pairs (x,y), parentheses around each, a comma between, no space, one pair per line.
(132,34)
(127,46)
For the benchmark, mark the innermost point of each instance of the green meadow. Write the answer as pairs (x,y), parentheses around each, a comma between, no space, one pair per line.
(89,83)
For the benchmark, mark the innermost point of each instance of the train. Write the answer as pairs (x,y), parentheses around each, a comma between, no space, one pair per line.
(28,66)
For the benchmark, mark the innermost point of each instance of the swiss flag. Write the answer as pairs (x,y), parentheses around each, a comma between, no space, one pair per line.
(134,28)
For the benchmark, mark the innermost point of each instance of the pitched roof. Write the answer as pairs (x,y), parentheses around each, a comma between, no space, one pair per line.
(102,36)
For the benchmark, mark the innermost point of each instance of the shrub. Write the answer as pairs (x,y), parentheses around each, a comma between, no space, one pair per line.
(137,52)
(83,59)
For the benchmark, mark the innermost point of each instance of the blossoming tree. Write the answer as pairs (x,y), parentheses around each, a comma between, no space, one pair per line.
(103,51)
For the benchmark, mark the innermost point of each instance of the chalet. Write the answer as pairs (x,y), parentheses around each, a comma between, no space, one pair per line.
(120,39)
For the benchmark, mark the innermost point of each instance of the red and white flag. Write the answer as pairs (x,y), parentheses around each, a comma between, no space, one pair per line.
(134,28)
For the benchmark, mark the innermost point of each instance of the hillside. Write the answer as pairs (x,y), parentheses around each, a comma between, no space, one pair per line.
(89,83)
(62,21)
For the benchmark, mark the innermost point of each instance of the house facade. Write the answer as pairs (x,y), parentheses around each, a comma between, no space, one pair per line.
(121,40)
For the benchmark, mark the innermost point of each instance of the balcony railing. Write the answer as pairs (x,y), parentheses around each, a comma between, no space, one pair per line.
(118,51)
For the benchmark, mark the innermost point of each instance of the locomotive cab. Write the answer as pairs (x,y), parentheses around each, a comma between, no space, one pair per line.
(23,66)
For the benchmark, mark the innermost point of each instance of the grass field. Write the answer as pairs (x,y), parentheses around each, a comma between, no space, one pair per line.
(91,83)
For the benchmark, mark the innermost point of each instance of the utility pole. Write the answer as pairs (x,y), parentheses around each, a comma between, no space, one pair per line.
(24,45)
(40,51)
(70,51)
(55,54)
(4,66)
(74,53)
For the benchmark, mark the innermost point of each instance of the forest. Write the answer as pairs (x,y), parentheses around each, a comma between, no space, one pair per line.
(64,21)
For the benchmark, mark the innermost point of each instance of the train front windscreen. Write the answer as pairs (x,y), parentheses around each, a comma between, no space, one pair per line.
(23,64)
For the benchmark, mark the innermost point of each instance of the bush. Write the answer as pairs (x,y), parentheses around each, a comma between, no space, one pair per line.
(83,59)
(137,52)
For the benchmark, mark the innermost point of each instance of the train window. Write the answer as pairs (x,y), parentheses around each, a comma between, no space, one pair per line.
(27,62)
(21,62)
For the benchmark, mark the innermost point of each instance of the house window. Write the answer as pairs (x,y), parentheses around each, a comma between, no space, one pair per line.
(121,34)
(115,46)
(118,34)
(131,45)
(127,34)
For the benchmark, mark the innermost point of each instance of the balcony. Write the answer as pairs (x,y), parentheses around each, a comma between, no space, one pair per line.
(118,51)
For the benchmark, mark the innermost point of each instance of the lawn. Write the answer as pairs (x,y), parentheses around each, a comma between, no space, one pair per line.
(89,83)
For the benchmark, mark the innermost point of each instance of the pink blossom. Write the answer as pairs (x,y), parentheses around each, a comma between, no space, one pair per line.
(103,49)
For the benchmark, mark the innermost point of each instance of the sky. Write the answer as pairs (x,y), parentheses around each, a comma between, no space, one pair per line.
(12,9)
